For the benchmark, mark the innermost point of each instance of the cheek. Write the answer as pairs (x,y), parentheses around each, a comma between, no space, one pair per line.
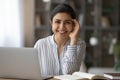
(54,28)
(70,29)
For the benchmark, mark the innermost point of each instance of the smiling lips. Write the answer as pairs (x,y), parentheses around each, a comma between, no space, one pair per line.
(62,32)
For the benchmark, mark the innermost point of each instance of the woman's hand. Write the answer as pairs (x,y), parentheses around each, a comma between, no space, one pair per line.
(74,34)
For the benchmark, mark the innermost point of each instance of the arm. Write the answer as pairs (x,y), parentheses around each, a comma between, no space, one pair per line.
(73,58)
(75,52)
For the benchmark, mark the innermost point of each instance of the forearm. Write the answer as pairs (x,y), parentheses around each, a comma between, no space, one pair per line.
(70,67)
(72,61)
(73,57)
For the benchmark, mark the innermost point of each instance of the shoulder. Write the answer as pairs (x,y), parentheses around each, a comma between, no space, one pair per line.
(81,42)
(43,41)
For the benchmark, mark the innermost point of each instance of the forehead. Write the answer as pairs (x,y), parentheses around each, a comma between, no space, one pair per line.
(62,16)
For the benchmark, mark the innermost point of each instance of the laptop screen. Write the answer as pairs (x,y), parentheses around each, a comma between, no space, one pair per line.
(20,63)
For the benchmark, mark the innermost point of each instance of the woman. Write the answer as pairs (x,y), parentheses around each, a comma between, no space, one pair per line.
(62,52)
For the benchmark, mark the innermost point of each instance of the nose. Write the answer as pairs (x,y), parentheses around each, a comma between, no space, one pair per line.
(62,26)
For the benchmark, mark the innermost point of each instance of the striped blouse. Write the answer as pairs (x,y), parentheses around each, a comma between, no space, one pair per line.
(68,62)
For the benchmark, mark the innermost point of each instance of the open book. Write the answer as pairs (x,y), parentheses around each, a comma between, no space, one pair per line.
(112,75)
(80,76)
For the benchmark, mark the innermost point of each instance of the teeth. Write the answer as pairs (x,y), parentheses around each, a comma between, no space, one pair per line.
(62,31)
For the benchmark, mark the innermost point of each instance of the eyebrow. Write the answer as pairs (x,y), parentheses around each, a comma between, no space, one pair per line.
(65,20)
(68,20)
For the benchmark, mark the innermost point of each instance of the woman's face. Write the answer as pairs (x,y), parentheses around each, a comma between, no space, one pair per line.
(62,25)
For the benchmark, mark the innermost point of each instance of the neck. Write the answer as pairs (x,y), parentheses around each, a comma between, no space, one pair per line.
(60,41)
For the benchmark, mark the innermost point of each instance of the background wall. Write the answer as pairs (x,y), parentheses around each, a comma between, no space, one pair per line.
(27,10)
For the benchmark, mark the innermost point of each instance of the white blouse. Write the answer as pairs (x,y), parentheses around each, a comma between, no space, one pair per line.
(69,61)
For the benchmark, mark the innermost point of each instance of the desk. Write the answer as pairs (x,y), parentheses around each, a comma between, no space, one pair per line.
(23,79)
(101,70)
(7,79)
(20,79)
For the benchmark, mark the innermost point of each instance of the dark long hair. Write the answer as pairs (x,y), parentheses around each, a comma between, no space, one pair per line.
(63,8)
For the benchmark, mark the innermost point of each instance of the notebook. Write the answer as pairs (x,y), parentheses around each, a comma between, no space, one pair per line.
(19,63)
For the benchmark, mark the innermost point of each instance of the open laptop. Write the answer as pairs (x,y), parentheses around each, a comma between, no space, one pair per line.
(19,63)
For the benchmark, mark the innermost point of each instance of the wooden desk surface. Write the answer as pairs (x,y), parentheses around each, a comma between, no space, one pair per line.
(21,79)
(7,79)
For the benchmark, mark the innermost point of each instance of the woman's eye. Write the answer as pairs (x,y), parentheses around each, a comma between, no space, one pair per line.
(58,22)
(68,22)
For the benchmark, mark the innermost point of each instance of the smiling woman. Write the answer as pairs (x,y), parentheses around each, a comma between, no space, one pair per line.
(63,52)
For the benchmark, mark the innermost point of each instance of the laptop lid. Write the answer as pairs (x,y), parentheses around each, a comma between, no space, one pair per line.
(19,63)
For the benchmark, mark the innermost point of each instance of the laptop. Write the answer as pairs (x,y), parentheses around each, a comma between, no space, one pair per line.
(19,63)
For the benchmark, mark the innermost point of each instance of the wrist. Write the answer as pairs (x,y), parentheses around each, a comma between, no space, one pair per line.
(73,41)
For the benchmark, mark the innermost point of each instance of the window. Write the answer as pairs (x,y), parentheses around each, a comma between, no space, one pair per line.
(11,34)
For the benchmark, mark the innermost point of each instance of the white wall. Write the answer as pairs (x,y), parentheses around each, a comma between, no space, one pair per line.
(27,9)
